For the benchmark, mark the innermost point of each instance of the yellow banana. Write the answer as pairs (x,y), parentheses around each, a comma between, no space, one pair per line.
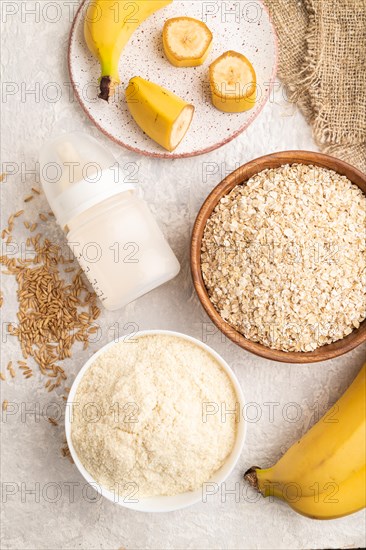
(336,501)
(108,27)
(331,454)
(162,115)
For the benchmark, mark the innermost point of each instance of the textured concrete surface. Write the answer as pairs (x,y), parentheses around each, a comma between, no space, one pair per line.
(55,516)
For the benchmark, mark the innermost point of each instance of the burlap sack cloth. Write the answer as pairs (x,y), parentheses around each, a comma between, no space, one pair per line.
(323,66)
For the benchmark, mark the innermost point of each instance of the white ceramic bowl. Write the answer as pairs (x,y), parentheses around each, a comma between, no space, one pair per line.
(161,503)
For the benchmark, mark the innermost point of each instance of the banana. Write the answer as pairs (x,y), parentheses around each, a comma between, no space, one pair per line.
(108,26)
(187,41)
(162,115)
(337,501)
(332,454)
(233,83)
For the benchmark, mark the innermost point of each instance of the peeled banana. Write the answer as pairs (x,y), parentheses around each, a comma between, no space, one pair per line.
(187,41)
(162,115)
(233,83)
(323,475)
(108,27)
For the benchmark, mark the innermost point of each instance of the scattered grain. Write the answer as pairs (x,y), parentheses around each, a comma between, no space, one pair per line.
(66,452)
(10,369)
(53,313)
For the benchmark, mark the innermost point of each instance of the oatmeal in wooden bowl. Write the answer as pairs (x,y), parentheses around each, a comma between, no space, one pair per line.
(278,257)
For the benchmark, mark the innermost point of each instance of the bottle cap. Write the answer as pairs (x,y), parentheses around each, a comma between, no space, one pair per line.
(78,173)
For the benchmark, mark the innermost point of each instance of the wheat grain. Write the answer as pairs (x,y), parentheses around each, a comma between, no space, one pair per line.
(53,313)
(10,369)
(66,452)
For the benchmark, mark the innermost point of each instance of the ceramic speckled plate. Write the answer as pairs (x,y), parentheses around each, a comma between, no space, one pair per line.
(247,28)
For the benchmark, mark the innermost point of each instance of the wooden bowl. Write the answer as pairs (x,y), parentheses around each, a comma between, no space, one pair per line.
(241,175)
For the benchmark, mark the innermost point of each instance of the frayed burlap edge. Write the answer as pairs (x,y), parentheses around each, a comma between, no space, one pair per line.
(317,63)
(302,58)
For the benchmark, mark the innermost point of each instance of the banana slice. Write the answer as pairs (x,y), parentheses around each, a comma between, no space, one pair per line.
(180,127)
(233,83)
(162,115)
(187,41)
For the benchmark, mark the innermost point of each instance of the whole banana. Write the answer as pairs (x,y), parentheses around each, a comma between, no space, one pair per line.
(108,27)
(323,475)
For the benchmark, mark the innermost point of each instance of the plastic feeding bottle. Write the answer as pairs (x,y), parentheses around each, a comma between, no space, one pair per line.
(109,228)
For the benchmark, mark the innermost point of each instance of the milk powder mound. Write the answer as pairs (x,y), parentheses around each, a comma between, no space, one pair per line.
(139,416)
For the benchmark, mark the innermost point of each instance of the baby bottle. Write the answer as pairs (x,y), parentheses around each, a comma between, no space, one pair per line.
(109,227)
